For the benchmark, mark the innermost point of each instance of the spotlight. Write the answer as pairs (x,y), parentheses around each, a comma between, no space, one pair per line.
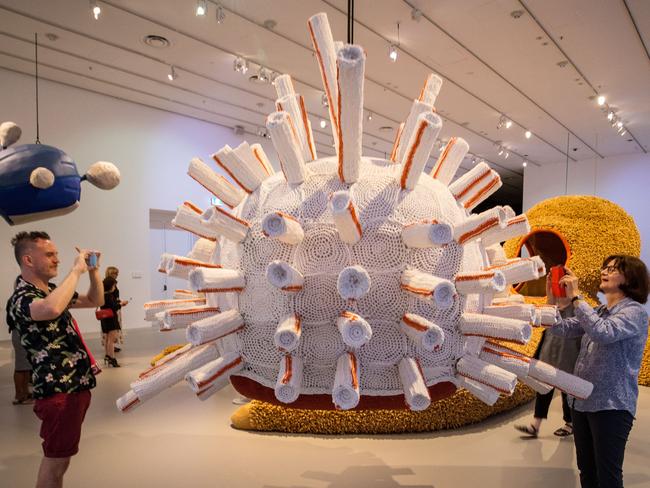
(528,134)
(624,132)
(508,123)
(369,116)
(525,163)
(610,115)
(95,9)
(620,128)
(507,155)
(240,65)
(323,123)
(172,75)
(500,151)
(614,119)
(601,100)
(323,100)
(392,52)
(504,122)
(273,76)
(473,160)
(263,74)
(201,8)
(220,14)
(262,132)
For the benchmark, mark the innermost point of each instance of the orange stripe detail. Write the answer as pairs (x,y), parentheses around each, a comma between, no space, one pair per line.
(297,323)
(355,219)
(480,194)
(478,230)
(194,262)
(172,302)
(225,168)
(472,184)
(443,157)
(421,97)
(191,206)
(353,370)
(291,288)
(506,355)
(319,56)
(349,315)
(261,161)
(288,373)
(417,291)
(286,216)
(411,154)
(221,290)
(483,383)
(131,404)
(305,122)
(473,277)
(414,325)
(423,222)
(189,311)
(398,137)
(220,372)
(228,214)
(512,341)
(210,238)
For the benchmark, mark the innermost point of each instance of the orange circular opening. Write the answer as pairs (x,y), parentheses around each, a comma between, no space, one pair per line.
(554,250)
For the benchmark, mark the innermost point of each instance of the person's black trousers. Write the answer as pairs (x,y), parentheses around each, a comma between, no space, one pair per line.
(543,402)
(600,439)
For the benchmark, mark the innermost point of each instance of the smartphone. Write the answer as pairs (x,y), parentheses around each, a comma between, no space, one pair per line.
(557,289)
(92,260)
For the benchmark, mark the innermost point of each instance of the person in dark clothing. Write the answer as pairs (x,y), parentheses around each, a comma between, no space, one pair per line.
(111,325)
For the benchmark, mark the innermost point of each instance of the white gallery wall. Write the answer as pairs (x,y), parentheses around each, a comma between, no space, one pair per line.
(624,180)
(151,147)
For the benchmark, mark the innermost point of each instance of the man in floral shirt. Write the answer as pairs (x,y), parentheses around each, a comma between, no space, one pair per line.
(61,369)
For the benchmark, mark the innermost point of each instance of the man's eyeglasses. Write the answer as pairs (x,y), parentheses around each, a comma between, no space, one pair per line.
(608,269)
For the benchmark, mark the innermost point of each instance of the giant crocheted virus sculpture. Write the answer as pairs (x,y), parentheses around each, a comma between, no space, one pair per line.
(349,282)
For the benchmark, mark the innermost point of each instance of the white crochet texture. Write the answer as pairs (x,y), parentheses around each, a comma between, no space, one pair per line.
(347,276)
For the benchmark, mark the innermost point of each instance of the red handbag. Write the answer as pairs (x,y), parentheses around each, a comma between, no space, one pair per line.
(104,313)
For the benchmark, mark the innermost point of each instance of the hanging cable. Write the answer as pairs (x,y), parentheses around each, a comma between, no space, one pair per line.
(38,141)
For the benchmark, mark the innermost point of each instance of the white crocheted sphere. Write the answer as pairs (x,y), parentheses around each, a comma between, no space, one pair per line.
(383,210)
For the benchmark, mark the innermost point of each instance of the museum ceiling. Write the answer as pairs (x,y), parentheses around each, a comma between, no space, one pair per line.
(540,64)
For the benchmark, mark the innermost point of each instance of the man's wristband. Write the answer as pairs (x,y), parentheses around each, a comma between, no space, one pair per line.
(576,298)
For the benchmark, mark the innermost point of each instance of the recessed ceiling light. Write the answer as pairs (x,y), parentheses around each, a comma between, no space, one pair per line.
(515,14)
(154,40)
(385,128)
(601,100)
(270,23)
(51,36)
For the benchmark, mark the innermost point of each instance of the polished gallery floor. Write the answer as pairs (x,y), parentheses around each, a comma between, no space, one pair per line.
(176,440)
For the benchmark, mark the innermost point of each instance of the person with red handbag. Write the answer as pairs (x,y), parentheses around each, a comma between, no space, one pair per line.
(107,314)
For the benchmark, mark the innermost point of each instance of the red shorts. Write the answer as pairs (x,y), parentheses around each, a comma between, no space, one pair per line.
(62,415)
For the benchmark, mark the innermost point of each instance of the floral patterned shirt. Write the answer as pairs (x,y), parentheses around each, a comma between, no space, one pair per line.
(59,360)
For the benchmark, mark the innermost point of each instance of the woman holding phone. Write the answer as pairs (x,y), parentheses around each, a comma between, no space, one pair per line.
(613,339)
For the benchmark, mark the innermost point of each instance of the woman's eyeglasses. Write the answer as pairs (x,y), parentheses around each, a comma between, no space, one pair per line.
(608,269)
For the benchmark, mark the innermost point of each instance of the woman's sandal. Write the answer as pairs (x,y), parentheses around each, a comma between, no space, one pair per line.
(529,430)
(564,431)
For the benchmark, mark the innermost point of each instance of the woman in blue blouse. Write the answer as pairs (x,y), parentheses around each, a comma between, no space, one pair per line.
(613,340)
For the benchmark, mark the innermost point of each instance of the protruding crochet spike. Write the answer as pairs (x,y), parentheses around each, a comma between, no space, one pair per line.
(215,183)
(287,335)
(284,276)
(518,270)
(430,89)
(475,186)
(188,217)
(422,332)
(321,38)
(418,108)
(517,311)
(568,383)
(480,282)
(426,234)
(128,402)
(212,376)
(244,169)
(425,285)
(478,370)
(281,128)
(485,393)
(179,318)
(473,324)
(345,393)
(203,250)
(157,306)
(353,282)
(223,280)
(214,327)
(164,262)
(538,386)
(415,388)
(180,266)
(287,386)
(354,329)
(449,160)
(513,227)
(350,63)
(418,149)
(345,216)
(505,359)
(284,86)
(283,227)
(545,315)
(225,224)
(476,226)
(294,105)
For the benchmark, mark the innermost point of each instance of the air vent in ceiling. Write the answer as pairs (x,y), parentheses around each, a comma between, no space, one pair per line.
(156,41)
